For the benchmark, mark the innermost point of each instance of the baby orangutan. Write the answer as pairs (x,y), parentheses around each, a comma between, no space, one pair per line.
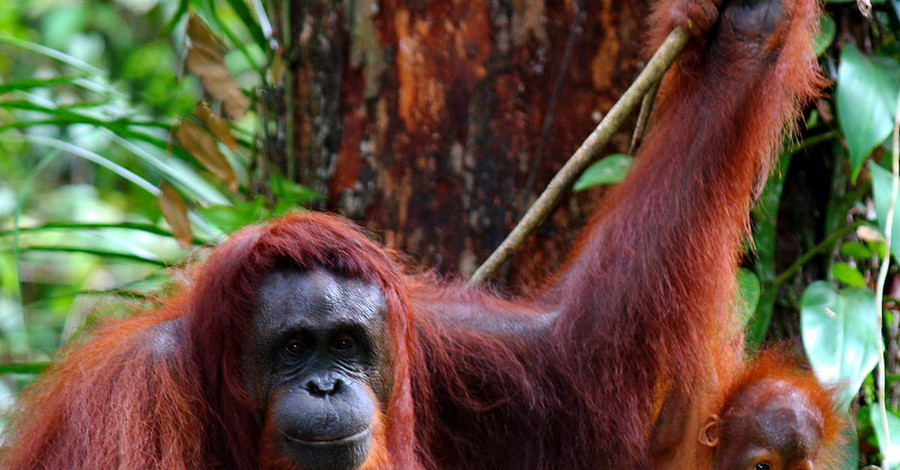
(776,417)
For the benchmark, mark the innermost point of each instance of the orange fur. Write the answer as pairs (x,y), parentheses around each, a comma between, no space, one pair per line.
(164,390)
(575,375)
(778,365)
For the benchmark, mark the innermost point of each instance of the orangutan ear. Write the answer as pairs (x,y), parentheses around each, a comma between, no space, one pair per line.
(709,432)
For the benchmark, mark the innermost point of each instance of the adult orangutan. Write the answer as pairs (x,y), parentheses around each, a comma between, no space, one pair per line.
(620,358)
(302,345)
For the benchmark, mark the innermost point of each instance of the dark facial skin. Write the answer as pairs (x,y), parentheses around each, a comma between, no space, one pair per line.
(754,18)
(317,363)
(772,426)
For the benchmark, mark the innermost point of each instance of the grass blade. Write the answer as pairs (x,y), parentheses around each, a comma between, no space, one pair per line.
(33,368)
(95,226)
(97,252)
(52,54)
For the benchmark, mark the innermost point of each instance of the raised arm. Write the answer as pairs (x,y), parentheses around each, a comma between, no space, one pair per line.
(661,252)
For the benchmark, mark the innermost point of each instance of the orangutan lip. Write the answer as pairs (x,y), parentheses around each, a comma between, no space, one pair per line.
(330,439)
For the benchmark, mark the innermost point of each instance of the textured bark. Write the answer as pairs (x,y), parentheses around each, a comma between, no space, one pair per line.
(435,122)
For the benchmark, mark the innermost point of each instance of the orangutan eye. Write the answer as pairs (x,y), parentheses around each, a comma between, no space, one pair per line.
(294,347)
(344,343)
(763,466)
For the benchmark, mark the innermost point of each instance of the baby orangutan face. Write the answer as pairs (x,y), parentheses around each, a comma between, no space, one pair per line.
(769,425)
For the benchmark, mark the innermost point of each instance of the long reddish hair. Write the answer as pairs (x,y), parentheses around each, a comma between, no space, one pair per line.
(165,389)
(221,301)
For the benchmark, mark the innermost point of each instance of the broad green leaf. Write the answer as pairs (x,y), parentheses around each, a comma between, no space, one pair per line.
(856,250)
(748,290)
(881,187)
(849,275)
(866,95)
(890,451)
(611,169)
(827,30)
(840,335)
(877,248)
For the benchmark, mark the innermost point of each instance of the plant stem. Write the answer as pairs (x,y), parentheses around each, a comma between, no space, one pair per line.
(879,290)
(827,242)
(649,77)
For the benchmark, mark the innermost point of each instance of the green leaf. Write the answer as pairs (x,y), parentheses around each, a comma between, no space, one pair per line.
(103,253)
(97,159)
(611,169)
(250,22)
(291,193)
(890,451)
(866,95)
(881,189)
(180,12)
(29,84)
(54,54)
(96,226)
(856,250)
(231,218)
(748,290)
(23,367)
(765,225)
(827,30)
(175,169)
(849,275)
(840,335)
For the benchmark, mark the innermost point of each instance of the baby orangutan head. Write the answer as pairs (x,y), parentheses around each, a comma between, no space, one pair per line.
(780,419)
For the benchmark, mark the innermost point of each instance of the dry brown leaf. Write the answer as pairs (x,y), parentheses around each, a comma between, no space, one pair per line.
(202,146)
(175,213)
(219,126)
(201,35)
(206,60)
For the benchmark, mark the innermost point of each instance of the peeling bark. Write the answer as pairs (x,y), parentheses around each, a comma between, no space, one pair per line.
(424,118)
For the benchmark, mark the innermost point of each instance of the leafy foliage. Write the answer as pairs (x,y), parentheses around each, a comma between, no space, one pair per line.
(832,282)
(113,164)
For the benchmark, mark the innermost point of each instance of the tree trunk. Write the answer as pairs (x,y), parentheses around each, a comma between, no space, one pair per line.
(437,122)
